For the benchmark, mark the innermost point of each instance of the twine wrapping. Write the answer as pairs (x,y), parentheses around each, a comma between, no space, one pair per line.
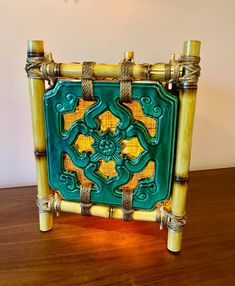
(55,203)
(87,77)
(127,197)
(43,204)
(33,66)
(85,193)
(191,71)
(171,220)
(42,68)
(126,79)
(186,71)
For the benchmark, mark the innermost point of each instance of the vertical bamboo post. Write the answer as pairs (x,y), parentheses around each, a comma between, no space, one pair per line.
(187,96)
(36,92)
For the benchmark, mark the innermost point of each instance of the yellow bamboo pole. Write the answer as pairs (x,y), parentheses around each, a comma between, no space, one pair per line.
(187,97)
(36,91)
(105,211)
(156,72)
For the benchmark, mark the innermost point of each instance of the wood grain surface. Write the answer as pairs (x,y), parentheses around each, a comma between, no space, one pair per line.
(96,251)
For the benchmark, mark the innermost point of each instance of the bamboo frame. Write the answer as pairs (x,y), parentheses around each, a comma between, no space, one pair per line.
(47,69)
(187,98)
(156,72)
(36,92)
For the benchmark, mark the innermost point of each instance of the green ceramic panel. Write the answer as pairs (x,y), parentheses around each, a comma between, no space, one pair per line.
(156,103)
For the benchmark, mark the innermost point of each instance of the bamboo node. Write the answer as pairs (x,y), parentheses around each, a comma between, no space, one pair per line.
(39,153)
(111,210)
(147,68)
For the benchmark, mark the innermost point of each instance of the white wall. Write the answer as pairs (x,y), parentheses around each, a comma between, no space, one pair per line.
(101,30)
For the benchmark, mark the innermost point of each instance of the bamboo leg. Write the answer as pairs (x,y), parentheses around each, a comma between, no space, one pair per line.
(36,91)
(187,98)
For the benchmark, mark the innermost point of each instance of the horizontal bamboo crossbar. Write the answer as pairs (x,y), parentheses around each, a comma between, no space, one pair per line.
(183,71)
(162,215)
(156,72)
(107,212)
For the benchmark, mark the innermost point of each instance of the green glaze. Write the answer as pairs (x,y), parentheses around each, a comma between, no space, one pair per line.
(156,103)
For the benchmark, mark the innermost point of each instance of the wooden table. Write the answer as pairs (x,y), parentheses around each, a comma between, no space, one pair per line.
(97,251)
